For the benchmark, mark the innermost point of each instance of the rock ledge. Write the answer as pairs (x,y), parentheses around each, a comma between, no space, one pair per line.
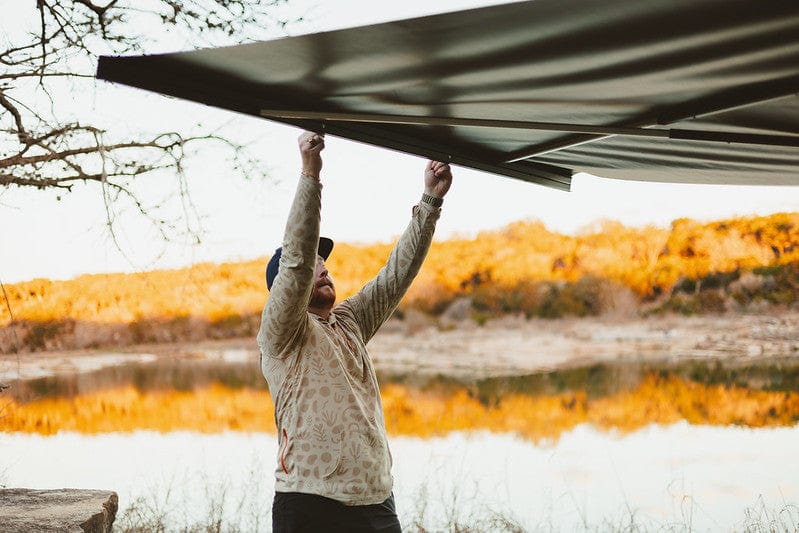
(62,510)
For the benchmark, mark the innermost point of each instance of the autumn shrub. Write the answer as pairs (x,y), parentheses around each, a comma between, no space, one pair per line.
(711,301)
(140,332)
(523,268)
(746,288)
(704,301)
(591,293)
(486,300)
(719,280)
(684,304)
(685,285)
(431,298)
(495,300)
(782,286)
(776,284)
(588,296)
(39,333)
(553,303)
(235,325)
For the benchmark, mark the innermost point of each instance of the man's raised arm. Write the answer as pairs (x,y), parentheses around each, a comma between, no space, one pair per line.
(377,300)
(284,317)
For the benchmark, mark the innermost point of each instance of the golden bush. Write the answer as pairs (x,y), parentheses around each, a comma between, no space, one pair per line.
(508,265)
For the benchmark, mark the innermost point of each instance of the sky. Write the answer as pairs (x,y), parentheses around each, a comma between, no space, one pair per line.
(367,197)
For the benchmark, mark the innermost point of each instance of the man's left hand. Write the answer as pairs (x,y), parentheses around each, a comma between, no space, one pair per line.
(437,179)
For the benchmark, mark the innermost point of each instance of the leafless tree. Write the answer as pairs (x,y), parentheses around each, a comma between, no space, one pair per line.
(42,146)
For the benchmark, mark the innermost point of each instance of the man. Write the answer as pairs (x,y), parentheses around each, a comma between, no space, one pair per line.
(334,466)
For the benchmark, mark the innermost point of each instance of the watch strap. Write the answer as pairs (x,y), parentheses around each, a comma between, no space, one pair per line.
(432,200)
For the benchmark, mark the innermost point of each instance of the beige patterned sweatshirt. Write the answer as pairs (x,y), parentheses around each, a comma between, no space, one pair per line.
(331,432)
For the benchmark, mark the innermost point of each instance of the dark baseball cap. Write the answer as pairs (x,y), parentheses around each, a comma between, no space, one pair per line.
(324,249)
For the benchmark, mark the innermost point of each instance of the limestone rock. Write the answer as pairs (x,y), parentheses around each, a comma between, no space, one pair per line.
(62,510)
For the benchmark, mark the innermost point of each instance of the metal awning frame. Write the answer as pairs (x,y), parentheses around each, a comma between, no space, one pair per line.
(603,131)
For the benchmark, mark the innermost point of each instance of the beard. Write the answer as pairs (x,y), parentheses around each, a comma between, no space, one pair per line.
(323,296)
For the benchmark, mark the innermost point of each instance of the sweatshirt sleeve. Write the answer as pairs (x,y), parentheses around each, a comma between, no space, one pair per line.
(285,316)
(375,302)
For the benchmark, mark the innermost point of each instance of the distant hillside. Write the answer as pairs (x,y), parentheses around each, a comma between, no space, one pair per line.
(692,267)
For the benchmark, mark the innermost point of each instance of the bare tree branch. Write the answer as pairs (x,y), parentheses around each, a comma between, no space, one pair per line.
(20,132)
(51,149)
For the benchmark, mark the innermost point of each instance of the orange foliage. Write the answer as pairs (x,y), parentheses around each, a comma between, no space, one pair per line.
(694,250)
(657,400)
(205,290)
(212,409)
(647,260)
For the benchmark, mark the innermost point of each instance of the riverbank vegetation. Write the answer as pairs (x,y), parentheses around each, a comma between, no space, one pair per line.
(746,264)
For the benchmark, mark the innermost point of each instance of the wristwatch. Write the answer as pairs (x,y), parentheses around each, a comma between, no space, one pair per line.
(432,200)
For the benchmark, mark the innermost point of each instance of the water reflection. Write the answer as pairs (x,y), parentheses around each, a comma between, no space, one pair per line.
(159,374)
(691,445)
(595,381)
(212,396)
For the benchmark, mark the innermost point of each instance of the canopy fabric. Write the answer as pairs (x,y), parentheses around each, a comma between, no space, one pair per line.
(657,90)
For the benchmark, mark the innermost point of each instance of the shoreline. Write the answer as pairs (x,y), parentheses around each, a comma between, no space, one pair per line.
(515,345)
(505,346)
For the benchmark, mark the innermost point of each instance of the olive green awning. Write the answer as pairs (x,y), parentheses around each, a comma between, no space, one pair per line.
(656,90)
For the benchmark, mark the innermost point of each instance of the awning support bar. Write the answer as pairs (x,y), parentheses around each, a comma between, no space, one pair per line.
(713,136)
(469,122)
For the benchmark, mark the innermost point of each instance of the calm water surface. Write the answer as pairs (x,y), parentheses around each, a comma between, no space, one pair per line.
(672,476)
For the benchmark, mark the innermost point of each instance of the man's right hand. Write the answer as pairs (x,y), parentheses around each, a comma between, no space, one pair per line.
(311,146)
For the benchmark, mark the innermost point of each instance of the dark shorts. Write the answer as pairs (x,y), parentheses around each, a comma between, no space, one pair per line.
(294,512)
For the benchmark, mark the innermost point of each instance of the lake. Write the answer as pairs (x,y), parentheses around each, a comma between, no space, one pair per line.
(696,445)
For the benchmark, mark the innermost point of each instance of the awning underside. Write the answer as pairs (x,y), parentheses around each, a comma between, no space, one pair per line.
(662,90)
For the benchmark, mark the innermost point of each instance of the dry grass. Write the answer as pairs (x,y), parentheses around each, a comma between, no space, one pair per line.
(462,513)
